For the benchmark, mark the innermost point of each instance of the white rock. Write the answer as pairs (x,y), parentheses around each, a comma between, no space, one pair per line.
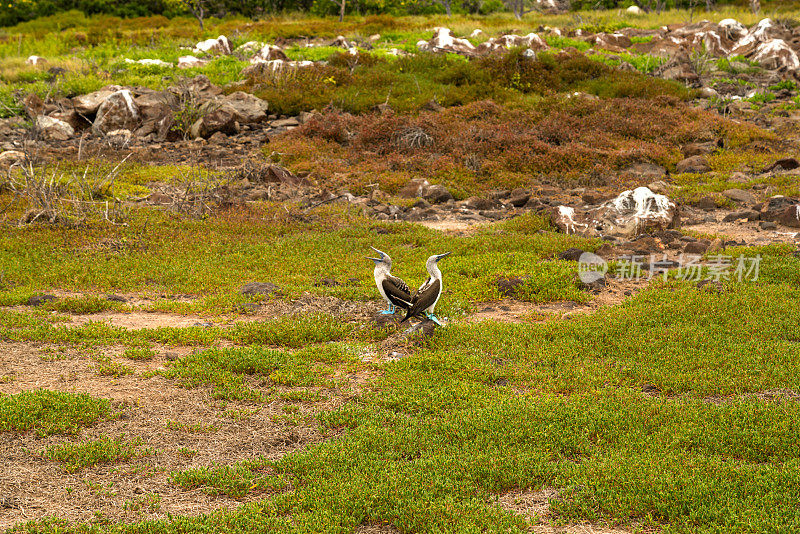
(634,10)
(631,213)
(250,47)
(475,34)
(152,62)
(443,39)
(220,45)
(268,53)
(188,62)
(775,53)
(35,60)
(54,129)
(733,29)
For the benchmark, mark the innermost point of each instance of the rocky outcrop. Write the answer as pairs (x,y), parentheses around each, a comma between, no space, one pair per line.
(117,112)
(443,41)
(219,46)
(188,62)
(249,109)
(531,41)
(53,129)
(773,45)
(269,53)
(630,214)
(87,105)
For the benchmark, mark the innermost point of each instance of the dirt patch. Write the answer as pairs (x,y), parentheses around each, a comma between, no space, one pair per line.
(33,487)
(509,310)
(534,507)
(454,226)
(780,394)
(377,529)
(348,310)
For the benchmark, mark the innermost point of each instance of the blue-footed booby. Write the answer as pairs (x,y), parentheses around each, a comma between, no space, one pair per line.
(393,289)
(426,297)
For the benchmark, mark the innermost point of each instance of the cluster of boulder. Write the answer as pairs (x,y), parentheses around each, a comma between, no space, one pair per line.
(775,46)
(141,112)
(444,41)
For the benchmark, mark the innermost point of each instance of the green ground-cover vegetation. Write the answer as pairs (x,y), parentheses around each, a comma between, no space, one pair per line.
(173,256)
(482,409)
(50,412)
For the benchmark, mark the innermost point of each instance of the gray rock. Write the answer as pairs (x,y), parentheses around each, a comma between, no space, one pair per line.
(750,215)
(519,197)
(54,129)
(571,254)
(693,164)
(38,300)
(87,105)
(215,119)
(260,288)
(249,109)
(740,195)
(790,217)
(437,194)
(696,247)
(117,112)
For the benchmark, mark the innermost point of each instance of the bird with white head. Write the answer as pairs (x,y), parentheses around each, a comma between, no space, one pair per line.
(424,300)
(393,289)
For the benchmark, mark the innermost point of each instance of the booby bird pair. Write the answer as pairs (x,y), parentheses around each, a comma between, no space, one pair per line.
(395,291)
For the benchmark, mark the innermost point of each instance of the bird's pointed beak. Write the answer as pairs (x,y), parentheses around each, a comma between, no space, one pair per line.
(380,253)
(376,260)
(440,256)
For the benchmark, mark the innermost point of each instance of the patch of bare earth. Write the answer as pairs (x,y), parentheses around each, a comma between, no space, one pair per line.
(259,311)
(377,529)
(509,310)
(534,507)
(454,226)
(32,487)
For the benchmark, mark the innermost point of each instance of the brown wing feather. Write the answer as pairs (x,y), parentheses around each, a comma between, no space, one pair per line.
(424,298)
(397,292)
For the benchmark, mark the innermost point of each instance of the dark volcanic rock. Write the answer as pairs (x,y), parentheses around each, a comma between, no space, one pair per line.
(383,320)
(260,288)
(38,300)
(785,164)
(437,194)
(694,164)
(696,247)
(750,215)
(511,287)
(571,254)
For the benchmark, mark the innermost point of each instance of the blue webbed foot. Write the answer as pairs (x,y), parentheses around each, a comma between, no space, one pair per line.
(433,318)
